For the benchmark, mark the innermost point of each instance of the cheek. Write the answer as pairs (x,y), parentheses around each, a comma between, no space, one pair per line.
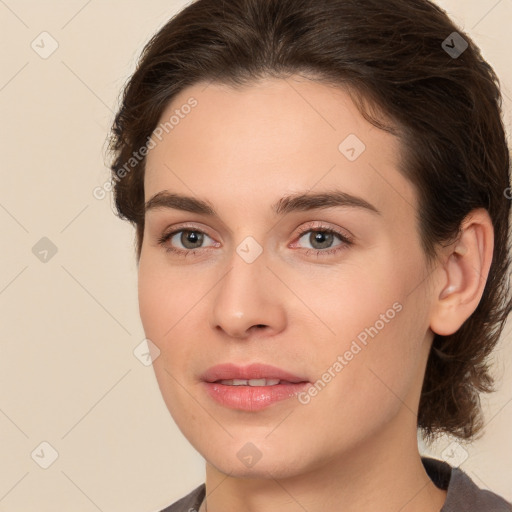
(378,327)
(169,302)
(163,295)
(152,302)
(350,300)
(161,306)
(373,384)
(378,379)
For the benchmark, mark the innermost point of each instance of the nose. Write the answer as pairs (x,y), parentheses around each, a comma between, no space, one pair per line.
(248,299)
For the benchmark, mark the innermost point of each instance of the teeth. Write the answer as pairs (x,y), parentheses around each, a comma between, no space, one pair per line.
(250,382)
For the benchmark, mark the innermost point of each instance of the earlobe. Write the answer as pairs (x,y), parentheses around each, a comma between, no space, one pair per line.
(463,275)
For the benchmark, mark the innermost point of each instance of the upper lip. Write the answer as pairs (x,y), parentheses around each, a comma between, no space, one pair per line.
(229,371)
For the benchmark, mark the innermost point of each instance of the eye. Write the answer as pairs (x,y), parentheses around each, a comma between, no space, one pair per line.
(184,241)
(321,240)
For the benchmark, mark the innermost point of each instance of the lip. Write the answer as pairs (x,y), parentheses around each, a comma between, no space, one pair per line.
(251,398)
(252,371)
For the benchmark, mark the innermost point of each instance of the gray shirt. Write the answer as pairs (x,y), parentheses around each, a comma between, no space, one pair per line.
(463,495)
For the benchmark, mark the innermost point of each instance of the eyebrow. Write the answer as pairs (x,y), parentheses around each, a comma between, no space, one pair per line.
(287,204)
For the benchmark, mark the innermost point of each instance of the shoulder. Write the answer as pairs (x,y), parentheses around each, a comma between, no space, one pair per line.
(189,503)
(463,495)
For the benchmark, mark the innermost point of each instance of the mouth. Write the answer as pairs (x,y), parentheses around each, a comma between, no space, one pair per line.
(251,382)
(253,387)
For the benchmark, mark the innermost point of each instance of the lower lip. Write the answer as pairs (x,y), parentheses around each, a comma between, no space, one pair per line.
(253,398)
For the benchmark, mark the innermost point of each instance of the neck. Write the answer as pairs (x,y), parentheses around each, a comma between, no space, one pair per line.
(385,474)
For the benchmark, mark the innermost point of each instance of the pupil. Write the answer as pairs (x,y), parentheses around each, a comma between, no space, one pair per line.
(319,236)
(189,238)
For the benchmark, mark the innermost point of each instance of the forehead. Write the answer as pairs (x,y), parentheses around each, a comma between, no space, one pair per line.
(256,142)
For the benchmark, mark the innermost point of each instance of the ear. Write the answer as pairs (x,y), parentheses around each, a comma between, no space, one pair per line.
(465,267)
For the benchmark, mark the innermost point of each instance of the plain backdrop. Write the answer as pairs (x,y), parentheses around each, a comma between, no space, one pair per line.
(73,394)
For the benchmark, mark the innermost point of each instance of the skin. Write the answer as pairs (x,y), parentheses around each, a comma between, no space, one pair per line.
(355,442)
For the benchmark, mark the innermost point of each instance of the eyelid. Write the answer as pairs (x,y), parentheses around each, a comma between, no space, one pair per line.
(344,235)
(185,227)
(170,233)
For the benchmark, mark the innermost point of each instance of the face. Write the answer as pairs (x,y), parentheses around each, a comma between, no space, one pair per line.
(297,249)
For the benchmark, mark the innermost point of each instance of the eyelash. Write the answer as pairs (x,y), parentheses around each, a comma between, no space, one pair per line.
(346,240)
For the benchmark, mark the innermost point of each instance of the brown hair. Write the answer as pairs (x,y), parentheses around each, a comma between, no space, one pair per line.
(444,107)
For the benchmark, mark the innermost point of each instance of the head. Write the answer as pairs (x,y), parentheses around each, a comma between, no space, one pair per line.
(240,104)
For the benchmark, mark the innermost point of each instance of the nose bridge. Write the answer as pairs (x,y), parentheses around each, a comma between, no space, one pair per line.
(245,297)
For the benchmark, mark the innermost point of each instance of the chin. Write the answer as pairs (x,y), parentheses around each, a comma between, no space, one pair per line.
(261,470)
(261,459)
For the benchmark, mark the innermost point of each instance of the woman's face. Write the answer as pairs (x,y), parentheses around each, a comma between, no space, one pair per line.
(296,247)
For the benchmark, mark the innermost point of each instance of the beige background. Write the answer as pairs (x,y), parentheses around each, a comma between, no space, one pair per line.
(69,326)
